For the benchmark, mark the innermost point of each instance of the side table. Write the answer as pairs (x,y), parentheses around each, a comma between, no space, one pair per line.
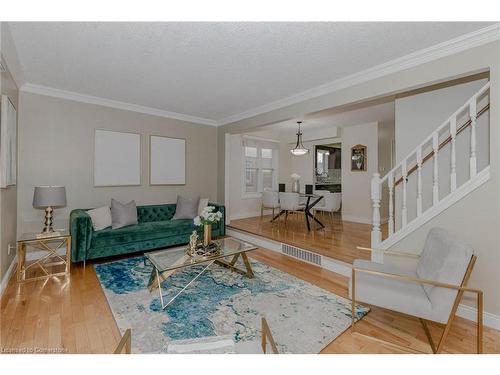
(52,263)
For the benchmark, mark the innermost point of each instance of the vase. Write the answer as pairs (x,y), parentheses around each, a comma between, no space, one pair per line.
(207,234)
(296,186)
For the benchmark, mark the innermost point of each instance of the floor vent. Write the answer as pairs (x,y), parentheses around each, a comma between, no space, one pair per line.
(301,254)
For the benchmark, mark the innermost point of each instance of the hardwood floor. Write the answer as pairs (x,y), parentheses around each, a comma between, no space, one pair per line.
(73,316)
(338,240)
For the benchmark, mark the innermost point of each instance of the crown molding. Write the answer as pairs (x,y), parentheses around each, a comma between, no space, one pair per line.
(77,97)
(467,41)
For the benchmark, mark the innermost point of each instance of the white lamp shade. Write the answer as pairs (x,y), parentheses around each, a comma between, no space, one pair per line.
(49,196)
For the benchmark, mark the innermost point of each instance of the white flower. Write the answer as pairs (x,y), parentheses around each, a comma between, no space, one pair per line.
(197,221)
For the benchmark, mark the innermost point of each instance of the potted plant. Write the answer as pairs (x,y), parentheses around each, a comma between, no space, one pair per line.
(207,218)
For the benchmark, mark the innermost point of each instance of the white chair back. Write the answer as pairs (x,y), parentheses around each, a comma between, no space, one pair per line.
(289,201)
(270,199)
(332,201)
(321,203)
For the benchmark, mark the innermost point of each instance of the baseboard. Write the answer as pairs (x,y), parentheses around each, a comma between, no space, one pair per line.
(30,256)
(8,274)
(356,219)
(470,313)
(245,215)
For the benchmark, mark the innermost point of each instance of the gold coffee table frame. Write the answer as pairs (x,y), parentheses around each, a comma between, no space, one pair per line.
(162,270)
(49,244)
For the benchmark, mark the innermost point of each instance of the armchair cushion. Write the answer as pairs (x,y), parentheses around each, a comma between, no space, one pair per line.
(405,297)
(445,259)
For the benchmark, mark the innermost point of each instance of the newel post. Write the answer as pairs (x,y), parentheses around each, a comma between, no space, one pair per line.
(376,235)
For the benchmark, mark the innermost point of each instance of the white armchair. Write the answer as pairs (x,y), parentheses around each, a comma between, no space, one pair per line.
(431,292)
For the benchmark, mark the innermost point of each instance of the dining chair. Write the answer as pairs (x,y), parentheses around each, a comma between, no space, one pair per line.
(290,203)
(331,204)
(321,203)
(430,291)
(270,200)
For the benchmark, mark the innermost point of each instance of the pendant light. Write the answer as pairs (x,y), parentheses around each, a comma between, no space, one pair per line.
(299,149)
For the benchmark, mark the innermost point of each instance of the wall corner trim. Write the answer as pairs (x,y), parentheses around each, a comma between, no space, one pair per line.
(89,99)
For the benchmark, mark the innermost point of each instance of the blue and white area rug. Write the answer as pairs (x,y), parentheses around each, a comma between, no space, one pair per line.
(303,318)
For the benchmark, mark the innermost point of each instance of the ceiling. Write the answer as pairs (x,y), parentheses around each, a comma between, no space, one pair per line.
(330,118)
(212,70)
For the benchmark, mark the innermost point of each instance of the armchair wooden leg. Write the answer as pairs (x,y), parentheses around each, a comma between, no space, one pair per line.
(428,334)
(479,323)
(353,300)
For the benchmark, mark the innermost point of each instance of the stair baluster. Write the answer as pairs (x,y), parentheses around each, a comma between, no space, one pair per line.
(473,161)
(404,211)
(435,178)
(419,181)
(453,166)
(376,235)
(390,183)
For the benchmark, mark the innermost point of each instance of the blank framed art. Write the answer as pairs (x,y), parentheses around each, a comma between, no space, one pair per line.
(167,160)
(117,158)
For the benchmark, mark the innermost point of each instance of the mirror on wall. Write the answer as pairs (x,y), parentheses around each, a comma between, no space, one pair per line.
(327,165)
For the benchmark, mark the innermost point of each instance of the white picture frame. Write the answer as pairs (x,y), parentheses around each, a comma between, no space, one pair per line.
(8,143)
(117,158)
(167,160)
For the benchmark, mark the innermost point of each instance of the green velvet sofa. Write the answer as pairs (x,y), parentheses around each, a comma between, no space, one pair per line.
(154,230)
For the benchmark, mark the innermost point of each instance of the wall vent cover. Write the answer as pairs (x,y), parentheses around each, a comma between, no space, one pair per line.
(301,254)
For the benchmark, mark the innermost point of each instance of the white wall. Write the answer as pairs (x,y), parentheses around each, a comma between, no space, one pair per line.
(56,139)
(356,202)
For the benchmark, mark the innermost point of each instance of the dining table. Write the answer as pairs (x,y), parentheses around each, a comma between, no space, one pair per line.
(311,201)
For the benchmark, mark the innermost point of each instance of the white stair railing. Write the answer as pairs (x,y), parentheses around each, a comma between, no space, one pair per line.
(416,160)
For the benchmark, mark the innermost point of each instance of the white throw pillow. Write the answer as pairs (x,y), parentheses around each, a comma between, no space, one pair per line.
(203,203)
(101,217)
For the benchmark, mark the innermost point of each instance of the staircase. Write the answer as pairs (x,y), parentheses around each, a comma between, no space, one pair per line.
(416,190)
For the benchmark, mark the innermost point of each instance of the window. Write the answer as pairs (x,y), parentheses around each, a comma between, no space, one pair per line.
(260,170)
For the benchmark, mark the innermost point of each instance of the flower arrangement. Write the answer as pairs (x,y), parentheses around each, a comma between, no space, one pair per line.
(207,217)
(295,176)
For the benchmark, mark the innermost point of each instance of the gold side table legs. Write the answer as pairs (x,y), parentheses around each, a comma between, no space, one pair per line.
(51,246)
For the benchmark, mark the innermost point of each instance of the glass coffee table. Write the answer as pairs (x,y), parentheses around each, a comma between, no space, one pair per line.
(167,261)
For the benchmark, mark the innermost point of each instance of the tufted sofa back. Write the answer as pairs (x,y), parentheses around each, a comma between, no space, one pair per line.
(157,212)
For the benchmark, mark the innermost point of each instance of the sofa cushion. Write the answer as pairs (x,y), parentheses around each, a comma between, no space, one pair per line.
(142,232)
(186,208)
(101,217)
(123,214)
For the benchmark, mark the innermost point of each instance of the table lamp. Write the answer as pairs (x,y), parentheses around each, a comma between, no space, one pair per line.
(48,197)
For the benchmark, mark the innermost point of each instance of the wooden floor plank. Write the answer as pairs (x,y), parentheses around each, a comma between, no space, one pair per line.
(74,315)
(338,240)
